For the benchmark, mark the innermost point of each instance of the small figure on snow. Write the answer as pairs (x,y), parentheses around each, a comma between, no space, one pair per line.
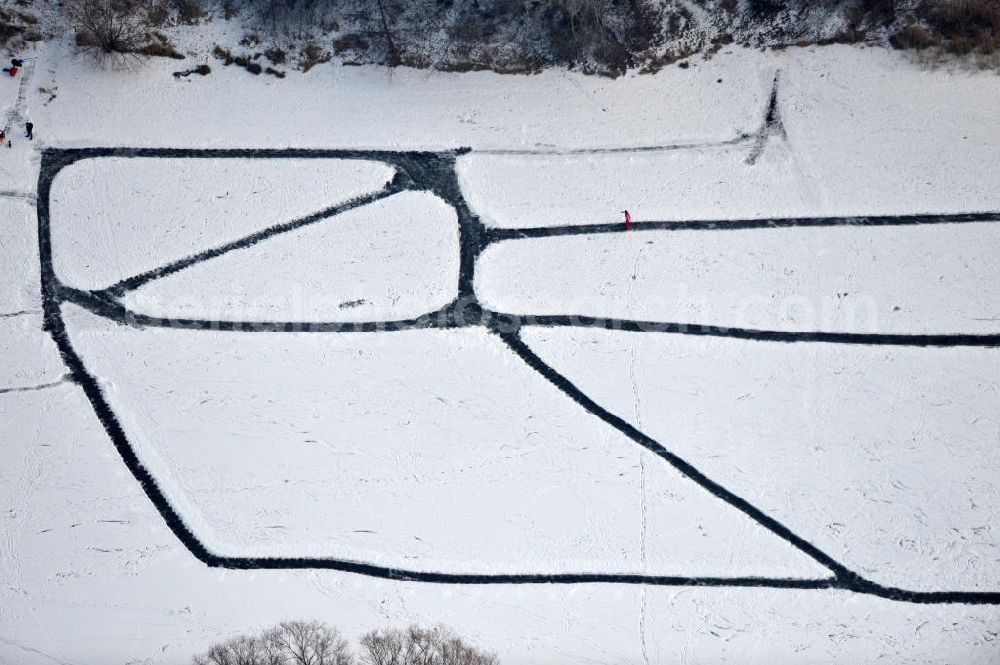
(628,220)
(16,62)
(29,128)
(12,70)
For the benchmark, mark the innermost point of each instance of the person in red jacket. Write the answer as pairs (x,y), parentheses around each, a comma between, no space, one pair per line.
(12,70)
(628,220)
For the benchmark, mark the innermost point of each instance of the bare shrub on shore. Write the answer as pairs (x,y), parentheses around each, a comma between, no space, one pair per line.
(316,643)
(942,31)
(420,646)
(307,643)
(288,643)
(112,28)
(965,26)
(914,37)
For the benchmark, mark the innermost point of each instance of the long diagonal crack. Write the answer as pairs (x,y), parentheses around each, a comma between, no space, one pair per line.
(564,385)
(135,281)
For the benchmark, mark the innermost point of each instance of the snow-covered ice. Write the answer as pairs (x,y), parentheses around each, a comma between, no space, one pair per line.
(450,451)
(395,449)
(91,575)
(18,256)
(30,357)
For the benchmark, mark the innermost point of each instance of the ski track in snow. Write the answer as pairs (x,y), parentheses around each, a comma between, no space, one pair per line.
(435,172)
(637,414)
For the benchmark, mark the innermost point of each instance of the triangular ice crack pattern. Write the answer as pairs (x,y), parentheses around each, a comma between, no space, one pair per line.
(394,259)
(524,351)
(121,218)
(135,281)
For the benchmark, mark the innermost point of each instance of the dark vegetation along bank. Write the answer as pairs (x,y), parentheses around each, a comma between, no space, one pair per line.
(605,37)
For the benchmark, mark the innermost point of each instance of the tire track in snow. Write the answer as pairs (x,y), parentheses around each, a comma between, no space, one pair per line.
(637,415)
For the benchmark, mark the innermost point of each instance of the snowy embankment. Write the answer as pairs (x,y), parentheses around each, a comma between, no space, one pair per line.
(443,451)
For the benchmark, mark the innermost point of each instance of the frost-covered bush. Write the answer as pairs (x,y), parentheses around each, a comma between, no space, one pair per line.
(108,26)
(420,646)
